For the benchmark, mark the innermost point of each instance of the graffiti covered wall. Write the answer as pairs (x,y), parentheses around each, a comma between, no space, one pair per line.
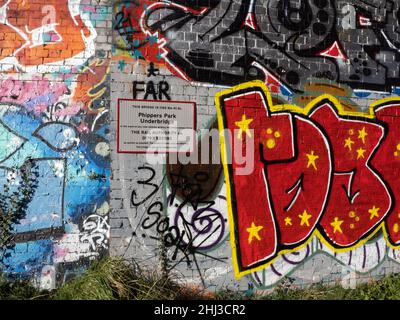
(309,90)
(54,128)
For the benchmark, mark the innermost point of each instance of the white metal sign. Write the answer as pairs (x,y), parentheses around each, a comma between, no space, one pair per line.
(153,126)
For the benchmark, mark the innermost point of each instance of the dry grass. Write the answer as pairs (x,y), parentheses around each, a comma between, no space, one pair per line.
(115,279)
(387,288)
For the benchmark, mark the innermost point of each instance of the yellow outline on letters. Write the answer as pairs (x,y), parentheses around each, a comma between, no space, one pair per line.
(302,111)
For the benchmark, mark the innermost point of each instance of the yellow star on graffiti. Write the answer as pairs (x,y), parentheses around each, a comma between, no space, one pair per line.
(253,232)
(304,218)
(374,212)
(362,134)
(348,143)
(243,126)
(336,225)
(288,221)
(311,159)
(360,153)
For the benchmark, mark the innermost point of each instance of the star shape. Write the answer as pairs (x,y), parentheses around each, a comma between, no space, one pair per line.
(304,218)
(288,221)
(360,153)
(362,134)
(254,232)
(243,126)
(348,143)
(374,212)
(311,159)
(336,224)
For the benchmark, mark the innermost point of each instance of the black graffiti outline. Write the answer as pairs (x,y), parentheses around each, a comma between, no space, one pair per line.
(198,73)
(280,247)
(166,236)
(146,183)
(37,134)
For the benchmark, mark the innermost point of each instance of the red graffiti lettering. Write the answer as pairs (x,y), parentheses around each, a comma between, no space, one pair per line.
(317,171)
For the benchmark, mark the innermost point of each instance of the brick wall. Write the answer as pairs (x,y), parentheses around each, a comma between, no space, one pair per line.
(346,49)
(70,196)
(55,166)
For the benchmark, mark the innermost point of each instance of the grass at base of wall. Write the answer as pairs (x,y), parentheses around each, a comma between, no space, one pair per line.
(115,279)
(20,290)
(388,288)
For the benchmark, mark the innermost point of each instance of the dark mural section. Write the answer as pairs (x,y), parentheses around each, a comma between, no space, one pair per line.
(284,42)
